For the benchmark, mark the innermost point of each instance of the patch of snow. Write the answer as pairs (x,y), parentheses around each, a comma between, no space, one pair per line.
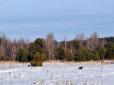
(57,74)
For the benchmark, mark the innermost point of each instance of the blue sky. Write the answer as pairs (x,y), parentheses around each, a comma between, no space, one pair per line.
(36,18)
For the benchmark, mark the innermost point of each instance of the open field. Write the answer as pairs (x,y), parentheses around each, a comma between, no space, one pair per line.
(57,73)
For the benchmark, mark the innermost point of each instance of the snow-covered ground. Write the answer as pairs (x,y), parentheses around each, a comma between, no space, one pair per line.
(57,74)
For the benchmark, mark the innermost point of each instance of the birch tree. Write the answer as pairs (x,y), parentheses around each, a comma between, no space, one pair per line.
(50,45)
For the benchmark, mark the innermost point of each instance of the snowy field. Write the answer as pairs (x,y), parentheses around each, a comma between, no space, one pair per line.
(57,74)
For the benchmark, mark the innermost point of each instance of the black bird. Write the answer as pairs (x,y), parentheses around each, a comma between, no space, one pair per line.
(29,65)
(81,67)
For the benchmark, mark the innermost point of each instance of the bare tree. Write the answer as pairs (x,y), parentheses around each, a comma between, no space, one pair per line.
(9,48)
(65,43)
(95,42)
(102,43)
(80,38)
(50,45)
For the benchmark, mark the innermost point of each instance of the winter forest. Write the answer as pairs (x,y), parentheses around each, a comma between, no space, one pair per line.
(78,49)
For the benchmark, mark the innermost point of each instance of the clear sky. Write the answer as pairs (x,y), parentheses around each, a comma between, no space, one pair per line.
(34,18)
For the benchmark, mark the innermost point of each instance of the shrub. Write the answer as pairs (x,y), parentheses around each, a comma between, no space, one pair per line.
(67,55)
(23,55)
(35,63)
(38,59)
(59,54)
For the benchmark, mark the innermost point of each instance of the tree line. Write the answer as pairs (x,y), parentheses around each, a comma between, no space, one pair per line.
(78,49)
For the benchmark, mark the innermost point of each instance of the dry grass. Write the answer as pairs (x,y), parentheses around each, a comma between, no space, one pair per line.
(82,62)
(57,61)
(11,62)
